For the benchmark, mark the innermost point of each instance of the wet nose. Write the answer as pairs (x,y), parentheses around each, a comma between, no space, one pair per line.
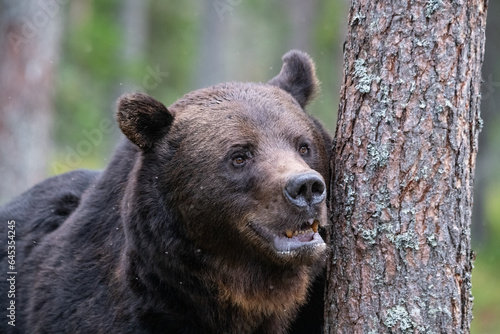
(305,189)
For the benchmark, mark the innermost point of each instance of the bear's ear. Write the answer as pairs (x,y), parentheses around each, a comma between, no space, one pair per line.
(142,119)
(297,77)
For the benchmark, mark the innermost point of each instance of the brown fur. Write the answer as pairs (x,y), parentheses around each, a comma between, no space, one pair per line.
(270,118)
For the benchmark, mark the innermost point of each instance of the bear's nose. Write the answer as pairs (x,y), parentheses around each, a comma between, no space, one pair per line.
(305,189)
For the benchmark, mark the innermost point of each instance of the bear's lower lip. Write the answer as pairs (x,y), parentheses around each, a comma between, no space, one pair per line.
(285,245)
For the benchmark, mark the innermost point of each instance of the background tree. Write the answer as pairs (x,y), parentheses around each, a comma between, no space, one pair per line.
(403,168)
(134,27)
(488,158)
(29,51)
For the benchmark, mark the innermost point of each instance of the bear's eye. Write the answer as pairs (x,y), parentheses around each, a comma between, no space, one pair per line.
(240,159)
(303,149)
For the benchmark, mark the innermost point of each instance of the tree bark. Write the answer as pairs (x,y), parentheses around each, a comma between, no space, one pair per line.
(29,49)
(403,168)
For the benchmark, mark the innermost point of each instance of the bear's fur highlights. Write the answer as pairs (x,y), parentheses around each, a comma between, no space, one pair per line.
(205,221)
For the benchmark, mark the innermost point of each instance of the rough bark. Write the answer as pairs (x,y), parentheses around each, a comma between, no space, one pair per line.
(29,48)
(403,168)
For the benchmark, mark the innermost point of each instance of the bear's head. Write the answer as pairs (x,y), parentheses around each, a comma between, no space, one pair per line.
(241,166)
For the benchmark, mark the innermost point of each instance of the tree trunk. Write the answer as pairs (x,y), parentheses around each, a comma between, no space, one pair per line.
(212,60)
(403,166)
(302,15)
(29,48)
(134,24)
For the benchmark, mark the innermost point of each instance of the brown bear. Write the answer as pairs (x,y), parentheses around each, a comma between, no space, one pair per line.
(206,220)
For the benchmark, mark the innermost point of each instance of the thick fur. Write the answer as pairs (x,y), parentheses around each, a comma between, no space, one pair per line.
(298,77)
(164,240)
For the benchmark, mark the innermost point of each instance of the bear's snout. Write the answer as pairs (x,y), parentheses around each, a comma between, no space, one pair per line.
(305,189)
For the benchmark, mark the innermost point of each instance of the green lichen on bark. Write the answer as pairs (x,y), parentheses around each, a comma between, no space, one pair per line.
(398,317)
(406,240)
(379,155)
(431,7)
(431,240)
(364,78)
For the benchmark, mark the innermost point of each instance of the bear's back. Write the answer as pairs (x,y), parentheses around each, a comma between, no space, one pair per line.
(31,216)
(43,208)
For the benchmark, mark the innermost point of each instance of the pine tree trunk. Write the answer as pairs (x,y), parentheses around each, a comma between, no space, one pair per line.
(403,168)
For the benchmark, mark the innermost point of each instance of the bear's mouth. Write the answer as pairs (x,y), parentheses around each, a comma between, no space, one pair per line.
(290,240)
(307,228)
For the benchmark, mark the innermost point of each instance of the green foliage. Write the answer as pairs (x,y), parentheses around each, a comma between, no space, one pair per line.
(173,44)
(92,72)
(87,76)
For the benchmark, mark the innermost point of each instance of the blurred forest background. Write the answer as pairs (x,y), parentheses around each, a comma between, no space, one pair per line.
(64,63)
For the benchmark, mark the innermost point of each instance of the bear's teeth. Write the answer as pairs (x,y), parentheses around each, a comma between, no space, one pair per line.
(305,231)
(290,234)
(315,226)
